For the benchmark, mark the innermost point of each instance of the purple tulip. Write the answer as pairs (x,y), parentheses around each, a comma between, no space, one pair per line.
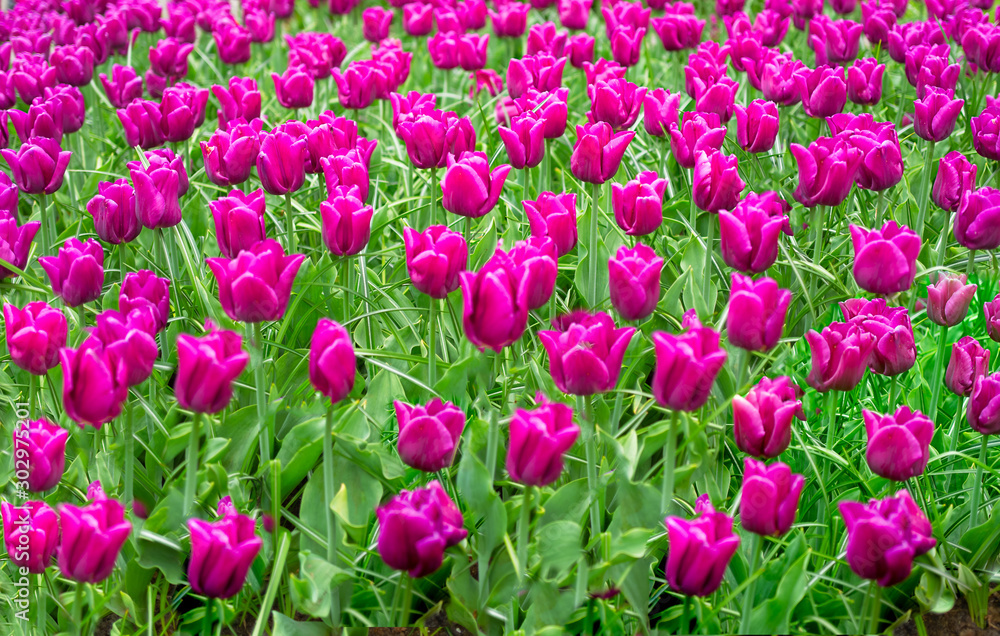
(331,361)
(626,45)
(698,133)
(510,19)
(884,536)
(158,188)
(549,106)
(604,70)
(169,58)
(894,351)
(678,31)
(221,554)
(92,537)
(495,312)
(756,313)
(207,367)
(834,41)
(700,550)
(536,264)
(977,223)
(432,135)
(686,365)
(113,209)
(574,14)
(141,121)
(616,102)
(885,261)
(716,183)
(986,129)
(428,435)
(969,360)
(538,439)
(39,166)
(762,421)
(881,164)
(123,87)
(130,342)
(485,80)
(356,86)
(634,281)
(983,411)
(586,352)
(864,81)
(840,356)
(15,244)
(934,116)
(233,43)
(415,528)
(346,221)
(294,88)
(660,111)
(94,384)
(143,290)
(757,126)
(434,259)
(771,26)
(469,188)
(948,299)
(598,152)
(31,75)
(956,175)
(281,163)
(375,24)
(319,52)
(346,168)
(748,235)
(241,100)
(44,446)
(770,497)
(823,91)
(230,154)
(541,72)
(638,205)
(239,221)
(418,19)
(898,444)
(524,140)
(31,534)
(180,22)
(42,119)
(546,38)
(256,285)
(780,80)
(74,64)
(718,98)
(554,216)
(181,111)
(827,169)
(77,273)
(35,335)
(878,23)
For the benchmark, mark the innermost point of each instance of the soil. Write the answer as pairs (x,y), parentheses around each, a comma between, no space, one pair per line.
(957,622)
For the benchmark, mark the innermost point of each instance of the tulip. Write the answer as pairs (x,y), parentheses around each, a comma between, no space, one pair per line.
(510,19)
(535,262)
(748,235)
(834,41)
(697,133)
(113,209)
(554,216)
(35,335)
(206,369)
(230,154)
(757,126)
(956,175)
(538,439)
(638,205)
(15,244)
(130,342)
(574,14)
(94,384)
(74,64)
(241,100)
(142,123)
(180,22)
(948,300)
(586,352)
(319,52)
(634,281)
(8,197)
(294,88)
(8,96)
(616,102)
(986,130)
(169,58)
(823,91)
(143,290)
(935,71)
(346,169)
(716,183)
(881,165)
(233,43)
(281,163)
(969,361)
(375,24)
(700,550)
(472,14)
(123,87)
(472,51)
(331,361)
(545,38)
(418,19)
(31,534)
(770,497)
(780,79)
(549,106)
(879,24)
(432,135)
(626,44)
(39,166)
(42,119)
(435,258)
(239,221)
(469,188)
(757,312)
(411,104)
(898,444)
(221,555)
(762,421)
(977,223)
(686,365)
(603,70)
(895,351)
(660,111)
(624,14)
(77,273)
(992,315)
(827,169)
(495,312)
(678,32)
(771,26)
(718,98)
(542,72)
(485,80)
(44,447)
(885,261)
(524,140)
(884,536)
(428,435)
(31,75)
(155,84)
(598,152)
(936,113)
(181,111)
(256,285)
(983,410)
(158,188)
(417,527)
(840,355)
(346,221)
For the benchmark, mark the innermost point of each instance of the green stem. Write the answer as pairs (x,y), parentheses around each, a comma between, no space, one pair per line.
(925,181)
(971,263)
(523,531)
(41,608)
(879,202)
(977,485)
(129,451)
(260,384)
(32,391)
(328,489)
(669,459)
(78,609)
(46,226)
(291,238)
(876,607)
(206,624)
(748,604)
(120,252)
(693,211)
(432,344)
(404,615)
(953,441)
(345,268)
(435,191)
(592,245)
(524,184)
(277,580)
(81,317)
(191,478)
(706,281)
(591,451)
(943,241)
(686,616)
(936,379)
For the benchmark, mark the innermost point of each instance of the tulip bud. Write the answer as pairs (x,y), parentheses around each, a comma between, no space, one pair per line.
(969,360)
(432,135)
(716,183)
(823,91)
(757,126)
(660,111)
(834,41)
(44,447)
(936,113)
(319,52)
(898,444)
(416,527)
(634,281)
(77,273)
(827,169)
(42,119)
(15,243)
(554,216)
(31,534)
(678,31)
(418,19)
(356,86)
(256,285)
(894,351)
(469,188)
(536,264)
(331,361)
(697,133)
(35,335)
(770,497)
(233,43)
(574,14)
(538,439)
(956,176)
(281,163)
(221,555)
(948,300)
(94,384)
(580,49)
(241,100)
(434,259)
(428,435)
(762,421)
(748,235)
(616,102)
(756,314)
(230,154)
(294,88)
(686,365)
(986,129)
(239,221)
(510,19)
(626,44)
(864,81)
(130,341)
(169,58)
(113,209)
(207,367)
(180,22)
(598,152)
(524,140)
(983,411)
(840,356)
(158,188)
(346,221)
(977,223)
(495,312)
(541,72)
(884,536)
(638,205)
(885,261)
(375,24)
(39,166)
(141,121)
(700,550)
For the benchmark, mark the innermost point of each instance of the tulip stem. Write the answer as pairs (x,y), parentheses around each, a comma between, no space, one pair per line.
(924,194)
(345,264)
(523,530)
(667,497)
(46,225)
(435,189)
(191,478)
(290,224)
(706,281)
(41,609)
(206,623)
(748,604)
(77,618)
(686,616)
(32,389)
(971,263)
(592,245)
(328,489)
(524,184)
(953,442)
(129,451)
(879,201)
(876,607)
(591,451)
(260,384)
(404,614)
(977,485)
(432,344)
(935,379)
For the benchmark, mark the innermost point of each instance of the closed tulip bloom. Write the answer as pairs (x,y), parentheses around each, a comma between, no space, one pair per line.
(554,216)
(375,24)
(864,81)
(31,75)
(898,444)
(586,352)
(881,165)
(31,534)
(158,190)
(8,197)
(256,285)
(956,175)
(757,126)
(827,169)
(770,497)
(241,100)
(660,111)
(969,360)
(986,130)
(823,91)
(603,70)
(634,281)
(239,221)
(180,22)
(35,334)
(39,166)
(94,384)
(44,444)
(418,19)
(840,356)
(346,168)
(524,140)
(74,64)
(884,536)
(230,154)
(221,554)
(42,119)
(626,45)
(510,20)
(780,80)
(624,14)
(74,109)
(113,209)
(678,32)
(169,58)
(181,111)
(416,527)
(472,51)
(616,102)
(936,113)
(834,41)
(598,152)
(762,421)
(130,340)
(141,121)
(495,303)
(771,26)
(948,299)
(294,88)
(331,361)
(281,163)
(686,365)
(144,290)
(77,273)
(574,14)
(15,244)
(757,312)
(992,316)
(233,43)
(719,98)
(536,264)
(432,135)
(428,435)
(550,106)
(485,80)
(542,72)
(469,188)
(638,205)
(443,50)
(895,351)
(697,133)
(748,235)
(346,221)
(206,369)
(122,87)
(434,259)
(716,183)
(700,550)
(319,52)
(538,439)
(546,38)
(983,410)
(977,224)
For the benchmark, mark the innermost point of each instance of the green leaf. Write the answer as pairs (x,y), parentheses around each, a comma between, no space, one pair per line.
(982,541)
(300,449)
(773,616)
(568,503)
(157,551)
(284,626)
(559,547)
(357,509)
